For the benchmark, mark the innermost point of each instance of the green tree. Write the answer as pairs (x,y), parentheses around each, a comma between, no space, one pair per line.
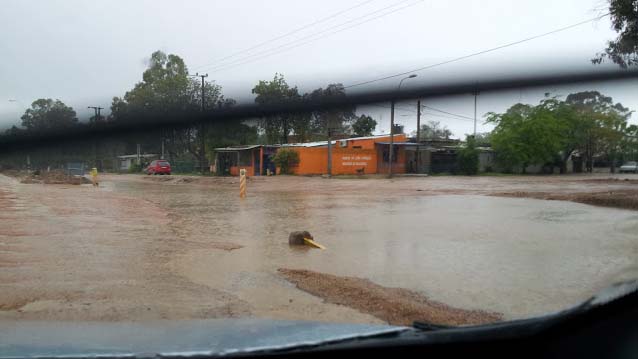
(286,158)
(278,127)
(167,88)
(334,120)
(434,131)
(599,123)
(364,125)
(14,131)
(550,132)
(629,144)
(47,114)
(525,135)
(229,133)
(468,157)
(624,50)
(483,139)
(119,109)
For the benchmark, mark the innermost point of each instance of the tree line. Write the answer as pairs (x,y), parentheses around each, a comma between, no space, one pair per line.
(167,87)
(587,124)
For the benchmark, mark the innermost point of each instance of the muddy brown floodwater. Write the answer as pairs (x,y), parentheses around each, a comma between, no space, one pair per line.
(446,249)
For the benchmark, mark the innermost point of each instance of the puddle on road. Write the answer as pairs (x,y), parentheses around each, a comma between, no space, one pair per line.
(520,257)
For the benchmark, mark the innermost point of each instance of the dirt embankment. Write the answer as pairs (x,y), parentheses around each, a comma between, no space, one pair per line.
(46,177)
(611,180)
(397,306)
(625,198)
(193,180)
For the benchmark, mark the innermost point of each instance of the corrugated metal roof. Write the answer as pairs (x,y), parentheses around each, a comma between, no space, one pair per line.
(371,137)
(400,143)
(236,148)
(135,156)
(301,144)
(308,144)
(334,142)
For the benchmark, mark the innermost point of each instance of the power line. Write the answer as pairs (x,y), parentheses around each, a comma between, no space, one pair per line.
(438,115)
(448,113)
(295,43)
(292,32)
(396,108)
(478,53)
(448,117)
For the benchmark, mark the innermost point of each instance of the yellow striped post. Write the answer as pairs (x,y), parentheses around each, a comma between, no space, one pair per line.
(94,176)
(242,183)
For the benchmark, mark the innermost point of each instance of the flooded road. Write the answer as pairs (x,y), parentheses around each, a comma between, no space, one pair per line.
(519,257)
(139,248)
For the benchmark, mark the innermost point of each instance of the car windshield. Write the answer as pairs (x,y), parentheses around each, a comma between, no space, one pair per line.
(343,161)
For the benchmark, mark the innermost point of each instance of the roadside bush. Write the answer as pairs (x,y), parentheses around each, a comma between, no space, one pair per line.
(468,157)
(286,158)
(135,168)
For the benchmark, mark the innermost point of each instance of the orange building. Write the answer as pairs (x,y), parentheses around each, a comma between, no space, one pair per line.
(359,155)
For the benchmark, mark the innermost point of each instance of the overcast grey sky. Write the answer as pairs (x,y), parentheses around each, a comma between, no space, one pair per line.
(86,52)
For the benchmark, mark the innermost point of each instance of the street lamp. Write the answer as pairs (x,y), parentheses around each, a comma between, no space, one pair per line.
(405,78)
(392,124)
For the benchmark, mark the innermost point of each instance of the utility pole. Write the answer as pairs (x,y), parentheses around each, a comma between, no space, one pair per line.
(418,134)
(392,123)
(391,137)
(203,88)
(96,119)
(476,92)
(202,152)
(97,111)
(329,150)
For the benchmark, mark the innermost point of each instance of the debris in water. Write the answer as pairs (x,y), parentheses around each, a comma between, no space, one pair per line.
(297,237)
(303,238)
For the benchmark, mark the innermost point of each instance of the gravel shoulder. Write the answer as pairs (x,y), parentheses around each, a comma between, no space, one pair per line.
(396,306)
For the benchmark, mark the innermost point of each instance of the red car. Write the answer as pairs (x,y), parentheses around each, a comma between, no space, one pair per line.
(159,167)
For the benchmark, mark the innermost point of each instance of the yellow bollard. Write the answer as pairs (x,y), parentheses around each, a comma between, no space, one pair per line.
(242,183)
(94,176)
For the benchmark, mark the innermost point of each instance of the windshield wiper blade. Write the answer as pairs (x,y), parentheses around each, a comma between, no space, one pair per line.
(430,327)
(530,326)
